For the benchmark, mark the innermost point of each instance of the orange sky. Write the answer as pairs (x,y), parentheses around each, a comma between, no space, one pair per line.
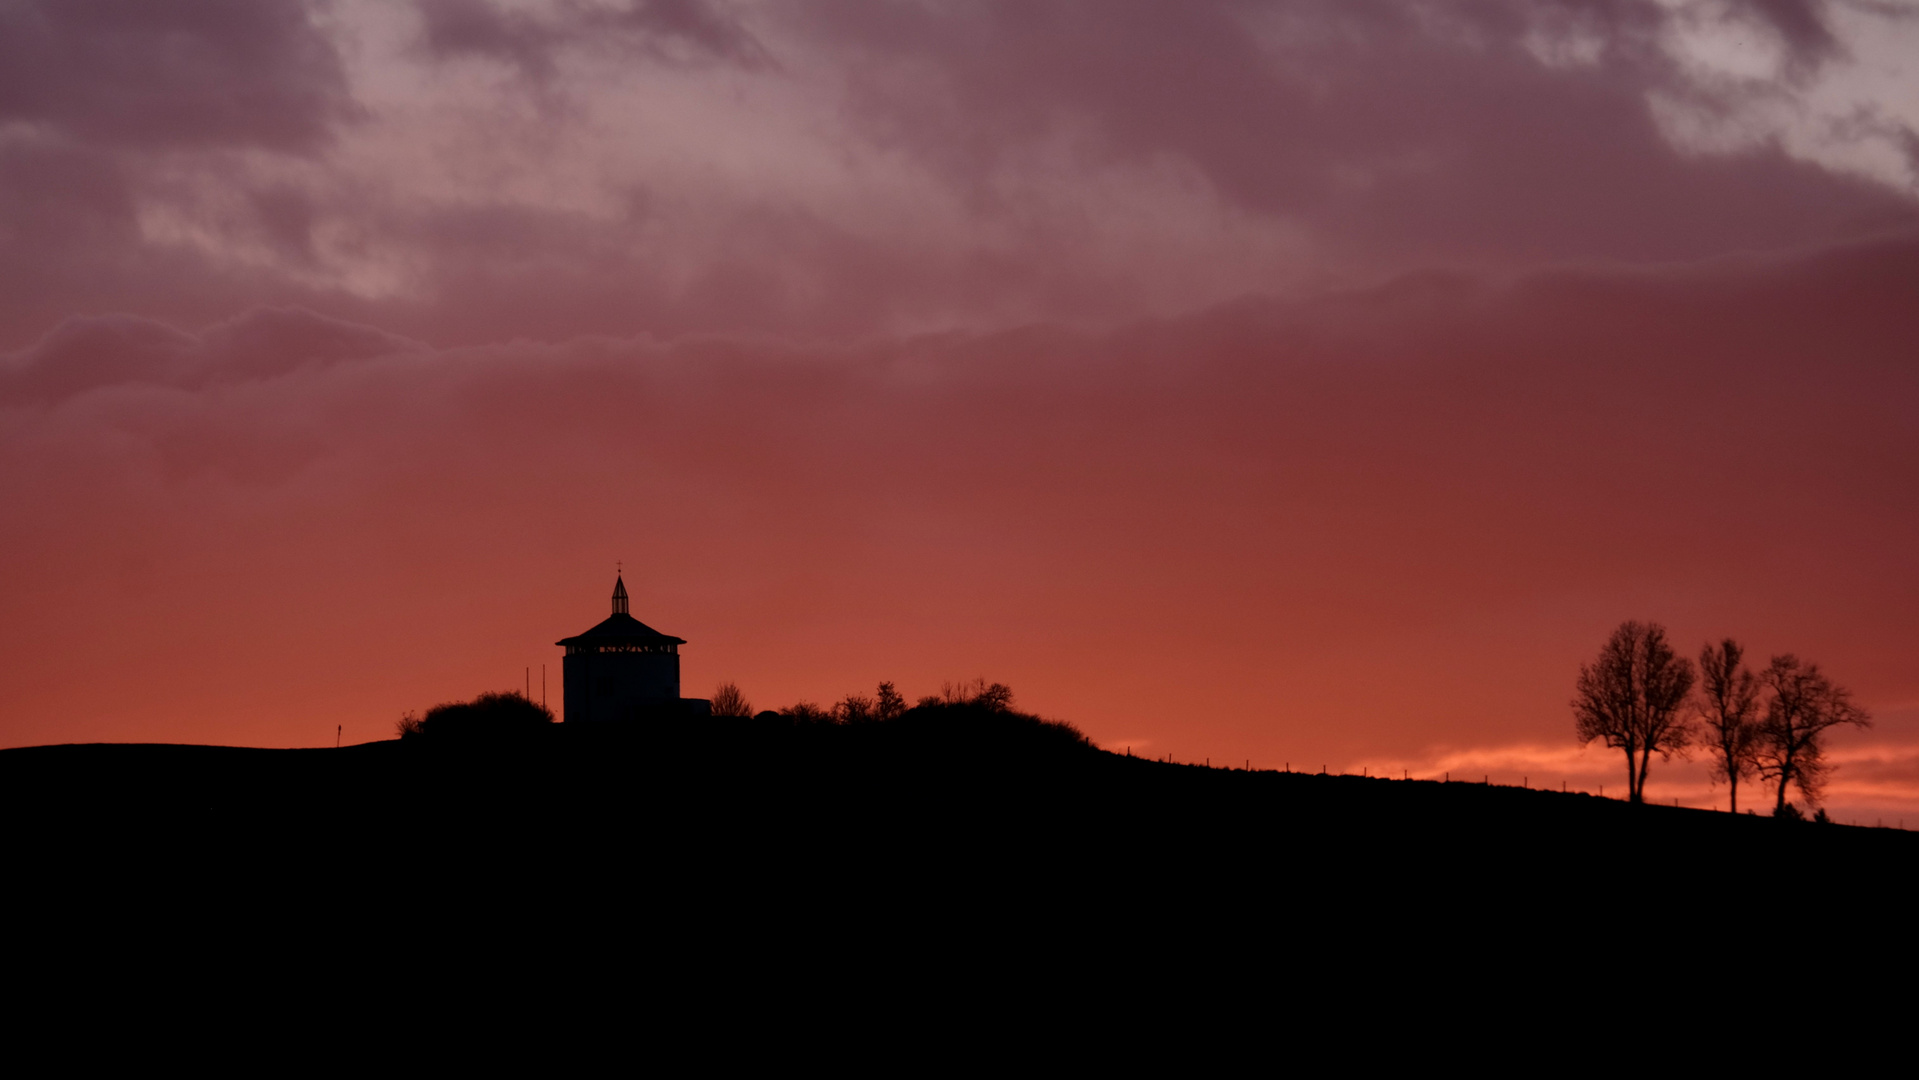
(1078,348)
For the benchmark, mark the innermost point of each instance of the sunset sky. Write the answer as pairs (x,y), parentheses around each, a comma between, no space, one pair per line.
(1309,383)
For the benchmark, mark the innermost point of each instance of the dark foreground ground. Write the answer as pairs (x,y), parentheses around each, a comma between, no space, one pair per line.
(753,857)
(958,801)
(958,880)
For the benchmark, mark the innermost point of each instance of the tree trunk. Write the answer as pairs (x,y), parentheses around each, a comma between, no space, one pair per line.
(1645,764)
(1632,777)
(1732,792)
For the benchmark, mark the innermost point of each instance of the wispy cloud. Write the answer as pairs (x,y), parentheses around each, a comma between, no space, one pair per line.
(1870,780)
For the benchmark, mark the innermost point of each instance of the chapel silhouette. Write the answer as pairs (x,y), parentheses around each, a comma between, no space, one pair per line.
(624,670)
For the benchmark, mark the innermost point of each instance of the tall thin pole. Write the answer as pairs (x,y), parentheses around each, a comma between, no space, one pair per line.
(337,728)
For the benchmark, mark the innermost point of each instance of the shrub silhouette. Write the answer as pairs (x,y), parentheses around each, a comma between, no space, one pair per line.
(860,709)
(992,697)
(489,716)
(965,719)
(807,714)
(855,709)
(987,726)
(727,700)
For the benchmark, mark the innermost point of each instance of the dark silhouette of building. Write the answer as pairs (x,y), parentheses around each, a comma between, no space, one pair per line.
(623,669)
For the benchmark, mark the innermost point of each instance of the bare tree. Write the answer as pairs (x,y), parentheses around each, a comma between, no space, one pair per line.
(1632,698)
(1729,712)
(1803,705)
(728,701)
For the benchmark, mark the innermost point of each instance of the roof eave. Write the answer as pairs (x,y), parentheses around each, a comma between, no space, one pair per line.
(596,638)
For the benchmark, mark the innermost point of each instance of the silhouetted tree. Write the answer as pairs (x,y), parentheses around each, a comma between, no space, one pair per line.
(1729,712)
(1802,705)
(860,709)
(489,716)
(890,705)
(1632,698)
(728,701)
(996,697)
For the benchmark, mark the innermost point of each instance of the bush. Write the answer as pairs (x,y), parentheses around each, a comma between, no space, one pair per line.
(489,716)
(855,709)
(984,725)
(729,701)
(807,714)
(1788,812)
(993,697)
(970,717)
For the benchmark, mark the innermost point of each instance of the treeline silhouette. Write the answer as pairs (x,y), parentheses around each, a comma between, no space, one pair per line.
(1642,698)
(974,711)
(968,725)
(971,712)
(885,704)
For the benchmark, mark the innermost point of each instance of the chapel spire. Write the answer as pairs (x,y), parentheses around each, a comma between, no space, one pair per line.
(619,595)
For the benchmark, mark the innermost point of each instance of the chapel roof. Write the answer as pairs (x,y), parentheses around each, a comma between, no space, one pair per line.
(620,626)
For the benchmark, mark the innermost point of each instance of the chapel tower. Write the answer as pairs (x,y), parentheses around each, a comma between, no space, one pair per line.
(622,669)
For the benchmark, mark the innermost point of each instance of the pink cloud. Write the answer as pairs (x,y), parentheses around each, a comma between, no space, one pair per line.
(205,73)
(845,169)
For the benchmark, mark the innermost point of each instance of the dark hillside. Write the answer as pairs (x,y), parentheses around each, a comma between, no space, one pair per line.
(934,784)
(952,827)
